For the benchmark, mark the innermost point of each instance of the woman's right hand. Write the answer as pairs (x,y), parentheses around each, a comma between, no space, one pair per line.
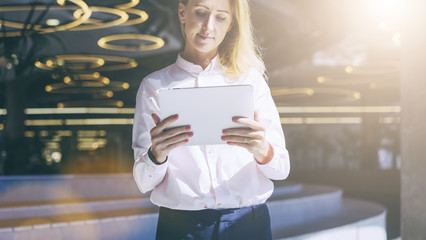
(163,141)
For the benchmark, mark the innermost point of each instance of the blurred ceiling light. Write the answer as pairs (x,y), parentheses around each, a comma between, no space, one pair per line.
(322,120)
(48,88)
(80,4)
(99,121)
(29,134)
(43,133)
(99,62)
(53,22)
(155,42)
(56,156)
(123,17)
(3,111)
(80,122)
(86,87)
(47,122)
(292,91)
(341,109)
(87,133)
(98,103)
(348,69)
(320,79)
(357,95)
(130,4)
(308,92)
(109,94)
(74,62)
(81,110)
(64,133)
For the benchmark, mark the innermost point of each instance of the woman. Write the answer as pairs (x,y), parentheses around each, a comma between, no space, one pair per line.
(212,191)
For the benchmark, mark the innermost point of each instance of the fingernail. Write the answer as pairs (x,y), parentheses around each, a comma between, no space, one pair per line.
(224,131)
(176,116)
(228,143)
(191,134)
(188,128)
(234,119)
(186,140)
(223,138)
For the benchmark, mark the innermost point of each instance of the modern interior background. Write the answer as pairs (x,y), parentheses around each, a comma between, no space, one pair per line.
(67,98)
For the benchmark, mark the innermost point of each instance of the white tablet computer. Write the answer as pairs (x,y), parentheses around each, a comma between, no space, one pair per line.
(208,110)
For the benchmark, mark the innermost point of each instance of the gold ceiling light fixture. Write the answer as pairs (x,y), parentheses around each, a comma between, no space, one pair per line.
(97,103)
(117,63)
(81,6)
(154,42)
(142,16)
(127,5)
(96,63)
(371,74)
(309,92)
(87,88)
(123,17)
(94,79)
(73,62)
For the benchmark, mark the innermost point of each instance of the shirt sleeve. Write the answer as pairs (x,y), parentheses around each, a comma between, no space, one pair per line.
(279,167)
(147,175)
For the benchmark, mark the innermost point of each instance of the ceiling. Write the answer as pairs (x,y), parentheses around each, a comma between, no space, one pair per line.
(318,53)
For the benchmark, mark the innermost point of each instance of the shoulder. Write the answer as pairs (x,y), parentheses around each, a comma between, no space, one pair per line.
(159,75)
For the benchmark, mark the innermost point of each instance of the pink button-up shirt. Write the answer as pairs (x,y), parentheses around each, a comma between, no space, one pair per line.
(209,176)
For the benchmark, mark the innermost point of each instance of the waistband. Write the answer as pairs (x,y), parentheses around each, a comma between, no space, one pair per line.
(224,214)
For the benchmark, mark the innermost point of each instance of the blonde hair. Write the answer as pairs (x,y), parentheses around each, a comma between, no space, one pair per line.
(239,52)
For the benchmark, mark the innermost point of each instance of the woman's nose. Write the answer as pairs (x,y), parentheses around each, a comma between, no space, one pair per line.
(209,23)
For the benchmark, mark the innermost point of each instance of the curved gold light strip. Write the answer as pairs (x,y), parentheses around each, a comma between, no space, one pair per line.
(62,61)
(98,103)
(157,42)
(87,88)
(85,15)
(130,4)
(308,92)
(120,13)
(123,63)
(94,79)
(127,63)
(142,17)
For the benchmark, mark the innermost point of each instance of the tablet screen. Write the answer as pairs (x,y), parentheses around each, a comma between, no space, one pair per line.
(208,110)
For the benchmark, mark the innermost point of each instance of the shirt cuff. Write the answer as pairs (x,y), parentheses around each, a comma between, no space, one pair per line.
(153,159)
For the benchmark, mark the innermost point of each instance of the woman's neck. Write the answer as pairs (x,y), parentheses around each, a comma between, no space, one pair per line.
(201,59)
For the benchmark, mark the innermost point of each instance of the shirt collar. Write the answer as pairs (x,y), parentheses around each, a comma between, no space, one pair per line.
(196,69)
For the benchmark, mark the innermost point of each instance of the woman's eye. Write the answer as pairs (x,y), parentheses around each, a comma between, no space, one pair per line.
(221,19)
(200,14)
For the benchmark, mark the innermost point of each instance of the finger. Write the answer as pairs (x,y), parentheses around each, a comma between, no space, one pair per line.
(163,124)
(256,116)
(246,146)
(164,145)
(177,138)
(156,118)
(248,122)
(243,133)
(175,145)
(238,139)
(164,135)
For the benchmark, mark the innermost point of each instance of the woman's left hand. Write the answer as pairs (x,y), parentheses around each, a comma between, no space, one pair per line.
(251,138)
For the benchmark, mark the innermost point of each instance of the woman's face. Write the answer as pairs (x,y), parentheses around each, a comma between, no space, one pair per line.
(206,24)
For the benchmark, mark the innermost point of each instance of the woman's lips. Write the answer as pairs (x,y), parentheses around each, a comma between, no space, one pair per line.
(204,37)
